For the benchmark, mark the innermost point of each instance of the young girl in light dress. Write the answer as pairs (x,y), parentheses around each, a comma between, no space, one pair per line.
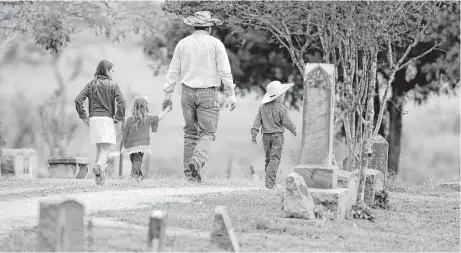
(135,135)
(106,107)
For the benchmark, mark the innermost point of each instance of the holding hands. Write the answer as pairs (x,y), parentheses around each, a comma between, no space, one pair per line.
(167,102)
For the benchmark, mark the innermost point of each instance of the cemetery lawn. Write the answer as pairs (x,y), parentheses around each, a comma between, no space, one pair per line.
(414,223)
(11,188)
(418,220)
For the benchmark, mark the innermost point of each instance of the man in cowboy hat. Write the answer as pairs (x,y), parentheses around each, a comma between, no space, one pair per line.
(200,63)
(273,117)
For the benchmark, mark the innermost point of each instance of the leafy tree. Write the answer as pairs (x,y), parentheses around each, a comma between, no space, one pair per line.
(436,72)
(51,25)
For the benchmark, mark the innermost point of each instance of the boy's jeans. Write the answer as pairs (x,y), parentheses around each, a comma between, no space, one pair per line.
(273,144)
(200,108)
(136,161)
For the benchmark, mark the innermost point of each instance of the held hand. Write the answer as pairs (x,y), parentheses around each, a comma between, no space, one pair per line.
(168,108)
(167,104)
(253,141)
(231,101)
(86,121)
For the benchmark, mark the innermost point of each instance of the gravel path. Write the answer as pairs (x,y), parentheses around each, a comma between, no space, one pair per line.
(20,213)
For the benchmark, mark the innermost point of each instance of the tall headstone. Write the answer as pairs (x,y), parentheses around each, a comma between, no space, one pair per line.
(317,128)
(60,226)
(222,231)
(379,157)
(156,235)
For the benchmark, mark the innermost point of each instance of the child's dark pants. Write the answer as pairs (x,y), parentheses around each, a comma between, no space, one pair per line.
(273,144)
(136,161)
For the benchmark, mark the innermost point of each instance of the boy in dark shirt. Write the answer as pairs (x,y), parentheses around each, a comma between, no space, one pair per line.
(273,117)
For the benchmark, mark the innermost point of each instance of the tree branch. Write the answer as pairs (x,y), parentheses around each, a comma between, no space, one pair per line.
(417,57)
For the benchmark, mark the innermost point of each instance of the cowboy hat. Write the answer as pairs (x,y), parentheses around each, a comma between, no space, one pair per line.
(202,19)
(274,90)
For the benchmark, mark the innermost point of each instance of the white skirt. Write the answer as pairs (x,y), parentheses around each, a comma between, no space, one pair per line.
(102,130)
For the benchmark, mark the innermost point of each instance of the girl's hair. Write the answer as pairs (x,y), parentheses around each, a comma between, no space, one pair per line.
(139,111)
(103,68)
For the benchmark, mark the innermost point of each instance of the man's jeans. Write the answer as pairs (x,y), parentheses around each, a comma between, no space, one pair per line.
(201,113)
(273,144)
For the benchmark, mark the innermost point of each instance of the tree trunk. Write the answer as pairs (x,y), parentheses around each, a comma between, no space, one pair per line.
(395,128)
(368,128)
(377,106)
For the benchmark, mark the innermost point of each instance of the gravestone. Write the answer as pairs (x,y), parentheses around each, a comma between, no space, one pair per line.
(379,157)
(349,181)
(156,234)
(21,163)
(316,166)
(297,201)
(374,182)
(60,226)
(222,231)
(68,167)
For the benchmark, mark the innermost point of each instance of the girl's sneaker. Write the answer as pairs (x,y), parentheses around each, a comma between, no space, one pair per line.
(97,174)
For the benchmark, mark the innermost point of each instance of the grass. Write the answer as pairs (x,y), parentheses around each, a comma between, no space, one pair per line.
(11,188)
(426,222)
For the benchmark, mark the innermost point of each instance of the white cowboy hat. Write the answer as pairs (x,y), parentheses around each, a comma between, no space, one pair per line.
(274,90)
(202,19)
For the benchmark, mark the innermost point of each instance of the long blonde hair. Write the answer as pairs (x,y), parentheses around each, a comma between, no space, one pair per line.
(139,111)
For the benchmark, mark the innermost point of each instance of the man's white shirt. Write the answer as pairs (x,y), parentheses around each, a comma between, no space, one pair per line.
(200,61)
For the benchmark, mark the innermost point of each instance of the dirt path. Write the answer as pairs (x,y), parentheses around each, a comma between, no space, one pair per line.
(20,213)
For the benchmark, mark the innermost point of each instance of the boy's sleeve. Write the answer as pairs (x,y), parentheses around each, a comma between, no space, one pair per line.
(154,123)
(287,121)
(256,125)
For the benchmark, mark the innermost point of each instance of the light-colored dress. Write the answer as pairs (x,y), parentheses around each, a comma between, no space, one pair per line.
(102,130)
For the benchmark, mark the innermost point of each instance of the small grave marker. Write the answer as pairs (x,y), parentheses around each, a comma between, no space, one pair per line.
(156,234)
(60,226)
(297,201)
(222,231)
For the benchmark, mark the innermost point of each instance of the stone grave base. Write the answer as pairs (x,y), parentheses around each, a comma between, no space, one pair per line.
(68,167)
(318,176)
(348,180)
(374,183)
(334,200)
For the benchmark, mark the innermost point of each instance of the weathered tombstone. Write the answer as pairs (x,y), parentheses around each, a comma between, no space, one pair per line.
(297,201)
(317,129)
(222,231)
(318,167)
(156,234)
(68,167)
(335,200)
(379,157)
(374,182)
(230,162)
(455,186)
(348,180)
(60,226)
(90,235)
(21,163)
